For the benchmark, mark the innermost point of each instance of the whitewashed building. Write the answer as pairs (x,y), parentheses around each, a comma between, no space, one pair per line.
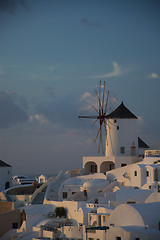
(5,175)
(123,146)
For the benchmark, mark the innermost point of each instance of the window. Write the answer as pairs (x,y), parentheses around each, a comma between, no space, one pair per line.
(156,174)
(93,168)
(64,194)
(15,225)
(122,149)
(115,120)
(137,238)
(135,173)
(133,148)
(147,173)
(7,185)
(118,238)
(123,164)
(117,127)
(149,187)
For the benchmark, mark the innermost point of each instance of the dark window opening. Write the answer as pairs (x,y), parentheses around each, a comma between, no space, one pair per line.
(123,164)
(147,173)
(118,238)
(93,168)
(135,173)
(117,127)
(15,225)
(115,120)
(7,185)
(64,194)
(122,149)
(156,174)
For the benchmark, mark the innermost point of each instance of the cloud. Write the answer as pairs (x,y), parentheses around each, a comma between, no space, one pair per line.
(11,6)
(154,76)
(62,111)
(11,111)
(88,101)
(88,23)
(117,71)
(38,119)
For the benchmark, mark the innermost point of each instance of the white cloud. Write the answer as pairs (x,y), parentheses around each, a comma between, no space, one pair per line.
(38,118)
(154,75)
(88,101)
(117,71)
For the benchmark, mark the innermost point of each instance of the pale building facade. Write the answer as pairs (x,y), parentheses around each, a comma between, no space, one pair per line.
(5,176)
(123,146)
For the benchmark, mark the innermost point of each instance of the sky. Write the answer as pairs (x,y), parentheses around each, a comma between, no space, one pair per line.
(52,55)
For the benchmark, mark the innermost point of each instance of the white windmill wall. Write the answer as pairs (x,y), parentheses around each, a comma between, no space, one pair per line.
(122,133)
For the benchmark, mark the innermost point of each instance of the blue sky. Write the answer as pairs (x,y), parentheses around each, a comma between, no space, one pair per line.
(52,56)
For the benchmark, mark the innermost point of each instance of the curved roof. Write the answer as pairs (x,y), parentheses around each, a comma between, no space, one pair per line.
(74,181)
(136,214)
(122,112)
(96,183)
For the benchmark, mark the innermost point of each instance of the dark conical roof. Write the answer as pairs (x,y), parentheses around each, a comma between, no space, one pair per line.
(122,112)
(142,144)
(3,164)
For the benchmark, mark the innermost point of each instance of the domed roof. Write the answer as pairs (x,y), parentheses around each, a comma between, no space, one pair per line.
(74,181)
(95,183)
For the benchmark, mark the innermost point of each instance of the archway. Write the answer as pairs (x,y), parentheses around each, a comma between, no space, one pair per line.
(106,166)
(90,167)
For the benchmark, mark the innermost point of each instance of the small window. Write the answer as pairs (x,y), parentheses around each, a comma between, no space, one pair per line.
(15,225)
(159,226)
(122,149)
(149,187)
(64,194)
(135,173)
(137,238)
(115,120)
(118,238)
(147,173)
(117,127)
(123,164)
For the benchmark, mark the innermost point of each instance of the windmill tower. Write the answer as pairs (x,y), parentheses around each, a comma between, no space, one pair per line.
(122,135)
(122,144)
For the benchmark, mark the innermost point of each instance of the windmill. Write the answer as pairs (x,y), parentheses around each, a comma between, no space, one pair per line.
(101,114)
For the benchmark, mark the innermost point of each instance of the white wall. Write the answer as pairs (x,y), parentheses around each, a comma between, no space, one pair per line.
(122,137)
(5,176)
(73,232)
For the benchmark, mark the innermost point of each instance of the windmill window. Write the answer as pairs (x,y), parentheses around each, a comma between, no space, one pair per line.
(147,173)
(115,120)
(135,173)
(122,149)
(117,127)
